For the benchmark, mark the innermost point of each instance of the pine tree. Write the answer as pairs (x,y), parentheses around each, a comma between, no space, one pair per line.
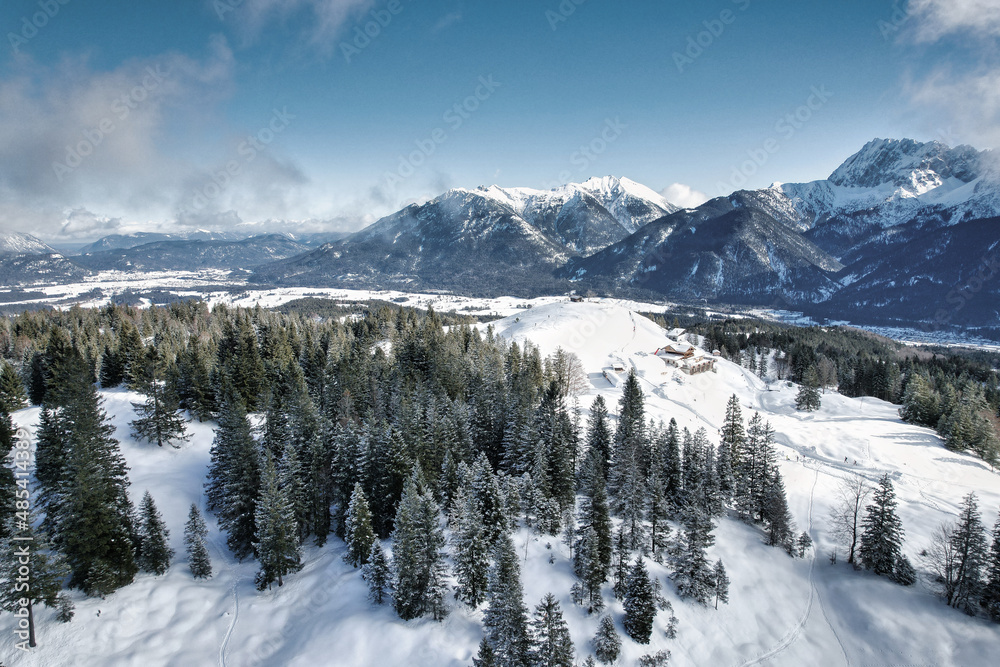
(732,449)
(13,397)
(485,488)
(905,574)
(969,557)
(658,659)
(292,479)
(808,398)
(882,531)
(30,574)
(239,363)
(640,605)
(594,514)
(112,368)
(673,472)
(755,471)
(621,556)
(803,544)
(130,353)
(378,574)
(722,582)
(157,420)
(360,535)
(554,458)
(599,437)
(607,643)
(84,482)
(34,378)
(587,566)
(234,485)
(627,476)
(780,527)
(657,509)
(692,574)
(485,657)
(991,591)
(471,552)
(8,486)
(505,620)
(277,540)
(417,542)
(551,644)
(195,534)
(437,587)
(920,406)
(154,552)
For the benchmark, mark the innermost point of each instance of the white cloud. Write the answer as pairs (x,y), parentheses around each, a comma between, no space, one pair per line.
(960,94)
(935,19)
(326,17)
(447,21)
(968,102)
(684,195)
(87,152)
(73,137)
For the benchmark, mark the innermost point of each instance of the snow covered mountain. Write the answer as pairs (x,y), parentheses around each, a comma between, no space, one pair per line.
(18,243)
(728,249)
(481,239)
(903,232)
(630,204)
(25,259)
(893,182)
(846,246)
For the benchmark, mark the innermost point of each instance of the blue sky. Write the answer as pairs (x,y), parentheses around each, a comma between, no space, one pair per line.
(169,114)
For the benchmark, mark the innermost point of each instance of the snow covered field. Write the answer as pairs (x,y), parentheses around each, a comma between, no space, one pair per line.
(208,286)
(781,611)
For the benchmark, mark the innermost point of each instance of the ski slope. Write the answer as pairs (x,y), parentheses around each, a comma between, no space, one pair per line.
(781,611)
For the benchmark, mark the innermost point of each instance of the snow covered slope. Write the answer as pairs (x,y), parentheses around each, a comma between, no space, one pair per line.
(18,243)
(781,612)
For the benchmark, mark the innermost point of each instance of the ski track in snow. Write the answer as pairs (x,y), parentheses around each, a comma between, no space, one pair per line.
(796,631)
(224,647)
(812,580)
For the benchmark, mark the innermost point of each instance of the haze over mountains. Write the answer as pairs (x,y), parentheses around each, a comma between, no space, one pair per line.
(902,233)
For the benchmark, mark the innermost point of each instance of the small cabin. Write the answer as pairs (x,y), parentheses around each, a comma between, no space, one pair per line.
(612,376)
(696,365)
(671,352)
(576,298)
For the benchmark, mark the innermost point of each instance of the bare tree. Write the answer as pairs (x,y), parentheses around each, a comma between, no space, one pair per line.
(846,514)
(781,365)
(958,555)
(827,371)
(566,369)
(940,558)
